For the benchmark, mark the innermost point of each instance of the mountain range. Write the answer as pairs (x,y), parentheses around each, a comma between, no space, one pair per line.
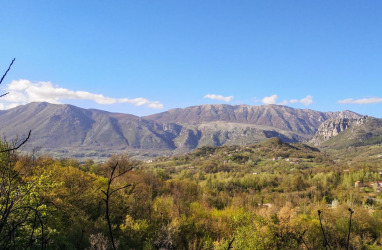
(69,131)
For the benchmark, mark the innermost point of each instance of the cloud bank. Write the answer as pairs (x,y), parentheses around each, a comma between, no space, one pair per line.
(273,100)
(25,91)
(219,97)
(361,101)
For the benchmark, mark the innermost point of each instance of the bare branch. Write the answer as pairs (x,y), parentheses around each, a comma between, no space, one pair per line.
(326,243)
(303,241)
(15,148)
(124,172)
(6,72)
(119,189)
(230,244)
(112,172)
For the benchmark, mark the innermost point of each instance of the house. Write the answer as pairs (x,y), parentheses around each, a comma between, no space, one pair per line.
(376,185)
(334,204)
(267,205)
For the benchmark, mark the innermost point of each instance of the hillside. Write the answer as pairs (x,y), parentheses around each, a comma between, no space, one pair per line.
(265,196)
(72,130)
(69,131)
(360,132)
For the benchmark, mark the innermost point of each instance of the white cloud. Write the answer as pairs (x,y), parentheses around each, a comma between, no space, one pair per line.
(361,101)
(270,99)
(307,100)
(219,97)
(273,100)
(25,91)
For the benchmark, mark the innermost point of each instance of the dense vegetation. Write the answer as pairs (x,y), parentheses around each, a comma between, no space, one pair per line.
(263,196)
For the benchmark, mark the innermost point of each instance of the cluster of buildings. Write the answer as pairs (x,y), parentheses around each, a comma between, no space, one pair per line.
(374,184)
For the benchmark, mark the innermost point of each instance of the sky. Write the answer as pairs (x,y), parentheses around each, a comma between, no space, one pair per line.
(144,57)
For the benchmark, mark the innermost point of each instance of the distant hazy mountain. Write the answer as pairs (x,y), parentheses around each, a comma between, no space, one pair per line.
(69,131)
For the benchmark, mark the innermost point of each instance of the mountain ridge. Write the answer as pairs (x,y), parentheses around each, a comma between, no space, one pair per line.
(283,117)
(67,130)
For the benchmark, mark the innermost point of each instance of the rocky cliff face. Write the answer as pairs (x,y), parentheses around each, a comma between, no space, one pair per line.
(334,126)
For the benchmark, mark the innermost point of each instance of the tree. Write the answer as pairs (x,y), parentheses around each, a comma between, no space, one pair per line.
(109,192)
(22,210)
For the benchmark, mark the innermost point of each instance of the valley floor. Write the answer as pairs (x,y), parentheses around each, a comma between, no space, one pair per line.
(262,196)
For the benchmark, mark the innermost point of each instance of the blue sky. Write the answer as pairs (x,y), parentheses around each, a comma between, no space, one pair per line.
(144,57)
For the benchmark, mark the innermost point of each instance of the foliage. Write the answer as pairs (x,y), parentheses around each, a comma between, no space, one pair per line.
(202,200)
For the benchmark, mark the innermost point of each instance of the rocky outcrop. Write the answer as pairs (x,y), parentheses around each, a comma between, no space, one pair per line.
(333,127)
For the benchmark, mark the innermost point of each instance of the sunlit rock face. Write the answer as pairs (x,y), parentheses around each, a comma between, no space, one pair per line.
(334,126)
